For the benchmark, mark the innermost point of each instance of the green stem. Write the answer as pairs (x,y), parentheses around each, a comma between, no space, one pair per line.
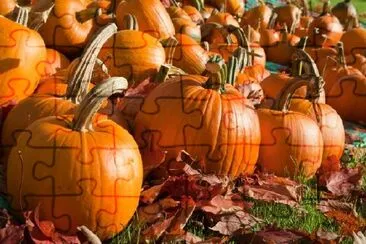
(217,74)
(84,114)
(130,22)
(163,73)
(326,8)
(170,43)
(297,70)
(272,20)
(79,82)
(340,54)
(86,14)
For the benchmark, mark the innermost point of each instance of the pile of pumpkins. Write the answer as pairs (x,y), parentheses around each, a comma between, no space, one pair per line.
(92,90)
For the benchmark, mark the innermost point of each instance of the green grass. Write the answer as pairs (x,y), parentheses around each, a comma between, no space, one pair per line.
(359,4)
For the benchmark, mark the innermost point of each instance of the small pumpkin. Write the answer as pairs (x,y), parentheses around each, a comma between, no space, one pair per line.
(223,127)
(347,14)
(187,27)
(223,19)
(193,13)
(84,178)
(132,53)
(151,16)
(234,7)
(257,17)
(325,30)
(288,15)
(54,62)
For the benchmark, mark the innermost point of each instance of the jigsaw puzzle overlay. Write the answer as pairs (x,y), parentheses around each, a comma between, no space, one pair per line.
(217,126)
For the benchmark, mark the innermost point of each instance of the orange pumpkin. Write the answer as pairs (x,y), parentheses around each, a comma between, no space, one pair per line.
(288,15)
(194,14)
(357,61)
(131,53)
(294,139)
(187,27)
(223,19)
(64,30)
(328,120)
(96,188)
(257,17)
(322,56)
(333,73)
(7,7)
(48,101)
(151,15)
(346,13)
(22,54)
(325,30)
(222,129)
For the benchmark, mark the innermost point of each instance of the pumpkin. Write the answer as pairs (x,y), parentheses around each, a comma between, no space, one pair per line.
(48,101)
(223,19)
(252,34)
(189,55)
(84,187)
(212,121)
(131,53)
(354,41)
(346,13)
(22,54)
(269,37)
(276,84)
(257,17)
(325,30)
(65,30)
(288,15)
(55,61)
(294,139)
(328,120)
(151,16)
(348,97)
(177,12)
(322,56)
(234,7)
(207,11)
(333,73)
(282,50)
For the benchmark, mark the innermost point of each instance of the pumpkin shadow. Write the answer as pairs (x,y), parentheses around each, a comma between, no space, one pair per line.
(8,64)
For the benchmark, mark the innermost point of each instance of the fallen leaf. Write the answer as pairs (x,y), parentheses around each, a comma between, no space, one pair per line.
(348,222)
(149,195)
(221,205)
(330,165)
(274,236)
(342,183)
(186,237)
(325,235)
(155,231)
(156,211)
(12,234)
(184,214)
(335,205)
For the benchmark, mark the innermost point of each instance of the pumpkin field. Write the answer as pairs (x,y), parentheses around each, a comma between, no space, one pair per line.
(182,121)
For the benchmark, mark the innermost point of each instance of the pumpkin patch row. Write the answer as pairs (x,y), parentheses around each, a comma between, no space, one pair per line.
(92,90)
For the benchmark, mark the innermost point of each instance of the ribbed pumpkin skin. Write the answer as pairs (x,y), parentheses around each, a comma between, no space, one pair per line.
(223,19)
(96,178)
(289,138)
(189,55)
(354,41)
(252,74)
(328,25)
(348,98)
(220,129)
(22,53)
(329,122)
(320,56)
(63,31)
(357,61)
(7,6)
(132,54)
(151,16)
(252,17)
(332,75)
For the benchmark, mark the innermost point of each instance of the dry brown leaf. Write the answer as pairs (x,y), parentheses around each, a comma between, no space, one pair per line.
(155,231)
(184,214)
(342,183)
(335,205)
(221,205)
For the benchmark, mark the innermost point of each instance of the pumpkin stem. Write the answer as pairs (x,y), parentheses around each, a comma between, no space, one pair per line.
(170,44)
(39,18)
(272,20)
(86,14)
(305,5)
(83,119)
(205,45)
(326,8)
(174,3)
(198,4)
(163,73)
(297,70)
(130,22)
(340,54)
(217,73)
(79,81)
(22,15)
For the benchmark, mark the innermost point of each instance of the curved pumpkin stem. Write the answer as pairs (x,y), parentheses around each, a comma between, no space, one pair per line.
(217,73)
(171,44)
(83,119)
(326,8)
(22,15)
(86,14)
(39,18)
(305,5)
(272,20)
(163,73)
(79,82)
(130,22)
(297,67)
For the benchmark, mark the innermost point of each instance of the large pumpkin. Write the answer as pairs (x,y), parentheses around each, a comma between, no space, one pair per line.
(328,120)
(354,41)
(95,167)
(133,54)
(211,121)
(22,55)
(151,15)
